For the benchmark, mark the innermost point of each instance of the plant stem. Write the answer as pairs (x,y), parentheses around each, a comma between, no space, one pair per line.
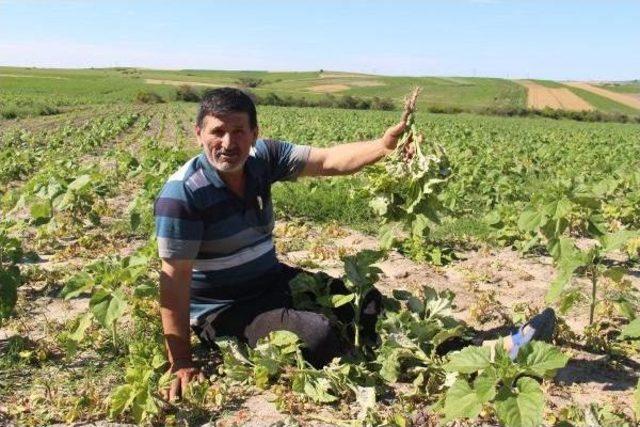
(113,336)
(356,321)
(594,282)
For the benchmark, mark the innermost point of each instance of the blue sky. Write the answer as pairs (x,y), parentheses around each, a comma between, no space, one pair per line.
(585,40)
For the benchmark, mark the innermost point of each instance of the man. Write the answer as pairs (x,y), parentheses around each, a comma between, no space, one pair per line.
(214,220)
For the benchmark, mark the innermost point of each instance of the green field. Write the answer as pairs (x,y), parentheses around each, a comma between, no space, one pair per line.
(524,209)
(35,91)
(599,102)
(622,87)
(549,83)
(602,103)
(29,91)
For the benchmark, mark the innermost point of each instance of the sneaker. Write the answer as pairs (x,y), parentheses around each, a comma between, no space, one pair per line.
(540,328)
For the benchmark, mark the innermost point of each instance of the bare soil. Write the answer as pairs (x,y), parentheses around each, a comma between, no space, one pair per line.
(329,88)
(629,100)
(503,273)
(366,83)
(488,283)
(179,83)
(540,97)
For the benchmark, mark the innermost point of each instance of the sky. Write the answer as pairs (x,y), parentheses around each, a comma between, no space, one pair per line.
(559,40)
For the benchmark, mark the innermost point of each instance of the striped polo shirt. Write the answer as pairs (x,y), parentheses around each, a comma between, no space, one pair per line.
(228,238)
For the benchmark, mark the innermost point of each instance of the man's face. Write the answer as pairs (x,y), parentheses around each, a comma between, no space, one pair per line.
(227,140)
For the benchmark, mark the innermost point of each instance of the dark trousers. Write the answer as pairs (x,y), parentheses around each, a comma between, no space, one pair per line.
(252,319)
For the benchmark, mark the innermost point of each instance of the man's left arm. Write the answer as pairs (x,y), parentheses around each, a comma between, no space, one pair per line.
(345,159)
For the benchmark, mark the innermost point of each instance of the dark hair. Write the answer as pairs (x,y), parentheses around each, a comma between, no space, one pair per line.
(225,100)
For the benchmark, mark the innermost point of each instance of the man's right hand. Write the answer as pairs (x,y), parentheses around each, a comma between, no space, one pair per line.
(185,372)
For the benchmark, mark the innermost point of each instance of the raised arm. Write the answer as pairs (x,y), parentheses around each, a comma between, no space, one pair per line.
(345,159)
(175,279)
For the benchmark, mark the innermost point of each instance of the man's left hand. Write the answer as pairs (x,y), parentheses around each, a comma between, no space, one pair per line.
(392,135)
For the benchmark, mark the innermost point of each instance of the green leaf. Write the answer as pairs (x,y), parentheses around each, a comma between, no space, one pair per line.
(446,334)
(597,225)
(304,282)
(80,182)
(76,285)
(83,324)
(438,307)
(568,299)
(401,294)
(359,270)
(41,211)
(146,290)
(380,205)
(493,218)
(631,331)
(625,307)
(419,225)
(522,407)
(318,389)
(541,358)
(387,236)
(335,300)
(463,401)
(9,282)
(135,219)
(469,360)
(563,208)
(530,220)
(616,273)
(614,241)
(562,279)
(569,259)
(106,306)
(120,400)
(283,338)
(415,305)
(391,362)
(485,386)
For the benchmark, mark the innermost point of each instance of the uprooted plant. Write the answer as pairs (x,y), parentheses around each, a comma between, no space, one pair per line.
(405,190)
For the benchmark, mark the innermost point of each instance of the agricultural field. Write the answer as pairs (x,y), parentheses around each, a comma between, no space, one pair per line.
(495,219)
(31,91)
(632,87)
(579,96)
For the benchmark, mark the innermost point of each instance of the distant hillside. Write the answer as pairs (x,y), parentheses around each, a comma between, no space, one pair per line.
(40,91)
(107,84)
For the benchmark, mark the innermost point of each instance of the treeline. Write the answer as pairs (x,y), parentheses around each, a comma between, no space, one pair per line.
(190,94)
(550,113)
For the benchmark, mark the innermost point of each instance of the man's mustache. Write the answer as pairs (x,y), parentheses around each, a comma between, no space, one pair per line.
(226,152)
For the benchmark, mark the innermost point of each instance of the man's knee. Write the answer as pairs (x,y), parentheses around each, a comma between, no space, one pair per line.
(309,326)
(320,341)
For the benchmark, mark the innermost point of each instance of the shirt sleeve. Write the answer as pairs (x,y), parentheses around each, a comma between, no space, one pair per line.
(179,225)
(286,160)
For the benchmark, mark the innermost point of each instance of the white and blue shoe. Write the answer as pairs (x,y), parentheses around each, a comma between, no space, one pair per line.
(540,328)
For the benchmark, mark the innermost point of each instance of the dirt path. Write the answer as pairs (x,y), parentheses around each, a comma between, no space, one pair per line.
(540,97)
(626,99)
